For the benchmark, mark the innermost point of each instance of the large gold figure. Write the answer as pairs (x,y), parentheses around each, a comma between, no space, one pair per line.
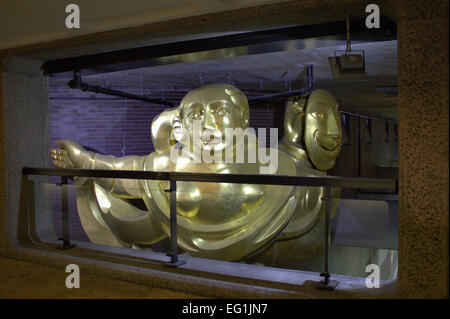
(312,139)
(215,220)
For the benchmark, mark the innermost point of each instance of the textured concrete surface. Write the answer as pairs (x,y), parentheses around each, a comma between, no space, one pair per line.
(27,138)
(3,241)
(423,129)
(21,279)
(423,149)
(202,277)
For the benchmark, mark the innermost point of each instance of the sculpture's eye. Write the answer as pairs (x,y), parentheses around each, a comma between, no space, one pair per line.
(223,113)
(196,115)
(319,115)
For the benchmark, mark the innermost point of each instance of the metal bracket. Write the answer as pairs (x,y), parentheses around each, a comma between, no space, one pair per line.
(77,83)
(65,245)
(327,284)
(174,262)
(65,216)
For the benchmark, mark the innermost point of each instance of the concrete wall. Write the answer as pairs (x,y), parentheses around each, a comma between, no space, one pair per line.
(423,149)
(29,21)
(27,131)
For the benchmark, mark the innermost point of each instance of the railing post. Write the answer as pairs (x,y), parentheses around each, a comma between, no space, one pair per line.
(327,284)
(25,207)
(65,215)
(175,262)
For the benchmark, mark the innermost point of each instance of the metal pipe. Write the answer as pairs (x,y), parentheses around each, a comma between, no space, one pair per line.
(266,179)
(173,220)
(386,119)
(255,41)
(326,198)
(65,215)
(174,261)
(359,147)
(327,284)
(76,83)
(309,84)
(327,230)
(310,77)
(347,20)
(278,95)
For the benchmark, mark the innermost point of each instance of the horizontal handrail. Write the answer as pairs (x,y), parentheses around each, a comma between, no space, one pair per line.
(267,179)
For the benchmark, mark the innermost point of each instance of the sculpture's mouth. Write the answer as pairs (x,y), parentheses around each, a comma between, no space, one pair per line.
(326,142)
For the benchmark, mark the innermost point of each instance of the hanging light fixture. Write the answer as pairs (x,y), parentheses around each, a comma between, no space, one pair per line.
(349,66)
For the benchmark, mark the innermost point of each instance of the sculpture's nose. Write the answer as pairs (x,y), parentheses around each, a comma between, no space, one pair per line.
(211,137)
(332,127)
(210,122)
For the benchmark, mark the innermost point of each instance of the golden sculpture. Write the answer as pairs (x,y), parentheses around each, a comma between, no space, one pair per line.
(323,133)
(215,220)
(312,139)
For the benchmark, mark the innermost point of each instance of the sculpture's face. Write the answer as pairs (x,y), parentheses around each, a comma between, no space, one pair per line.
(323,135)
(294,119)
(212,109)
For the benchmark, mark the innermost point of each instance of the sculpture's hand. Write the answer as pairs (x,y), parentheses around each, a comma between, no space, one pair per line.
(70,155)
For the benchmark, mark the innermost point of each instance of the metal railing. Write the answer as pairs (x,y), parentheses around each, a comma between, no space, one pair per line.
(285,180)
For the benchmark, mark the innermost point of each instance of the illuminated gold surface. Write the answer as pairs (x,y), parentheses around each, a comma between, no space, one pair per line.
(215,220)
(300,126)
(294,121)
(323,135)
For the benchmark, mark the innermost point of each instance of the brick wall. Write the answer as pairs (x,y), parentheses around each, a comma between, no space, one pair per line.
(118,126)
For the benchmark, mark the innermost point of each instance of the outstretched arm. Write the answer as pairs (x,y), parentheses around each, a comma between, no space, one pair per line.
(72,155)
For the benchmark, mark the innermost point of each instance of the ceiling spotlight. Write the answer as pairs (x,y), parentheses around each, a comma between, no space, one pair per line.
(349,66)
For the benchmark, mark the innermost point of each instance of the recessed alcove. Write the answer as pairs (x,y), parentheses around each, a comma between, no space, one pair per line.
(119,126)
(41,110)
